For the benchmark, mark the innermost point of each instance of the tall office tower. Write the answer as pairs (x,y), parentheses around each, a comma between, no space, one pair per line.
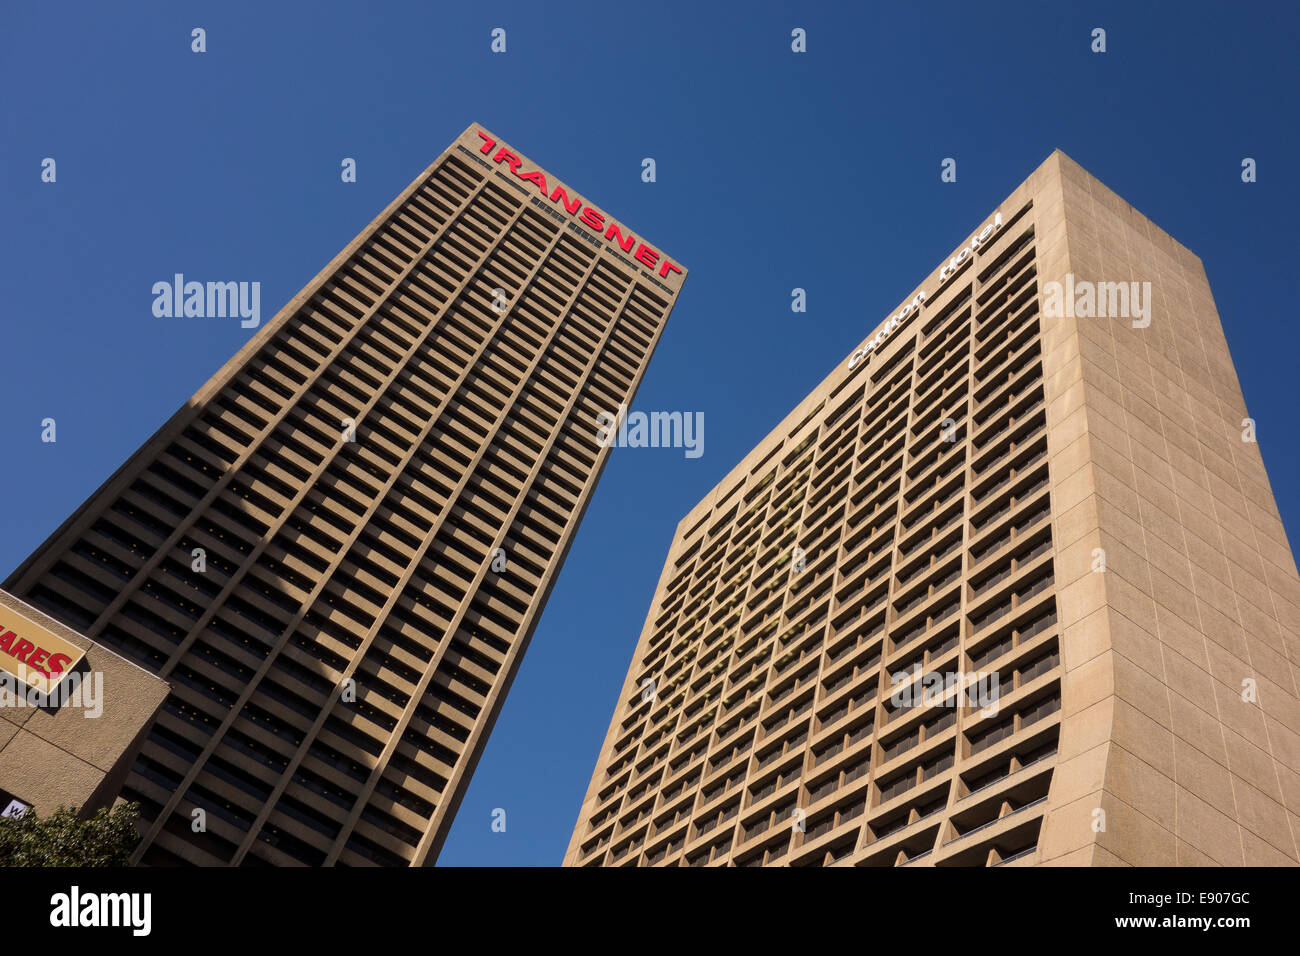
(1009,586)
(336,552)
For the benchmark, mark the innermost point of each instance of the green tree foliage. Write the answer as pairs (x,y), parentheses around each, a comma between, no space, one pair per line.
(64,839)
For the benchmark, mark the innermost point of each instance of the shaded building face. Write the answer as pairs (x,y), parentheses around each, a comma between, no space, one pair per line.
(994,593)
(336,552)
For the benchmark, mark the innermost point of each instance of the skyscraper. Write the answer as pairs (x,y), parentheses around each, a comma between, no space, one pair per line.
(1009,587)
(337,550)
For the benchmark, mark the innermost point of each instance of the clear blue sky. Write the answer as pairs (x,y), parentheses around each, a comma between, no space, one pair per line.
(225,165)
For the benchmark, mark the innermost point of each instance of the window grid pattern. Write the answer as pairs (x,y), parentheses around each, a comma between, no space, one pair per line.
(761,730)
(337,663)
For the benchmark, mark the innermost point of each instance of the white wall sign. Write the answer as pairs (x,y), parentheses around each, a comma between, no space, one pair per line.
(947,272)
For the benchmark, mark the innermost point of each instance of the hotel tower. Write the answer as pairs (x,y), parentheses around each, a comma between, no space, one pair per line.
(1009,587)
(335,553)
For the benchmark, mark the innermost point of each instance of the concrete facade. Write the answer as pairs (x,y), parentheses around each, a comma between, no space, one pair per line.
(74,755)
(992,484)
(1162,728)
(337,550)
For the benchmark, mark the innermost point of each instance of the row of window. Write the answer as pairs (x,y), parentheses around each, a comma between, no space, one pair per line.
(733,587)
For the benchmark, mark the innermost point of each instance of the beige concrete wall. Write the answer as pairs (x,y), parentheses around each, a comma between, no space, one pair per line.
(62,757)
(1199,596)
(1174,583)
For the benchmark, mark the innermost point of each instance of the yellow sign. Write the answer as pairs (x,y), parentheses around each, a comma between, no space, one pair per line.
(32,654)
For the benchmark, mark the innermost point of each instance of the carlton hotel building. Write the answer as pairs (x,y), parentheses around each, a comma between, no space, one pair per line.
(1067,507)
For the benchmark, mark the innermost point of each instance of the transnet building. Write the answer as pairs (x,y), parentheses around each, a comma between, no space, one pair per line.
(1008,588)
(336,552)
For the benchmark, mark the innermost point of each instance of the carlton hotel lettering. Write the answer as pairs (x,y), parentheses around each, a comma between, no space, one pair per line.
(947,272)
